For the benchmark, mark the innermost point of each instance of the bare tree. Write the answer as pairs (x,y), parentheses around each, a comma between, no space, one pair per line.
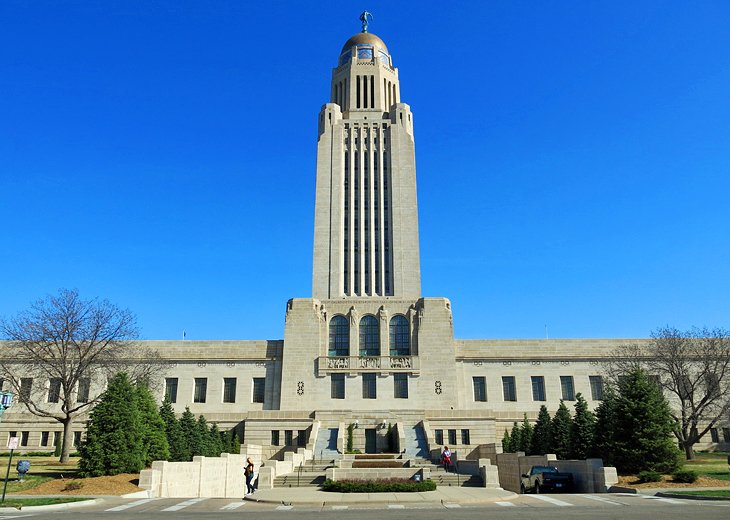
(75,346)
(693,368)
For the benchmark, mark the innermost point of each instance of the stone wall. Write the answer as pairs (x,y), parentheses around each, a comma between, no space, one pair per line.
(210,477)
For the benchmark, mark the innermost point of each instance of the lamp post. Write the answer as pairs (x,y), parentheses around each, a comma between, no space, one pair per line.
(6,401)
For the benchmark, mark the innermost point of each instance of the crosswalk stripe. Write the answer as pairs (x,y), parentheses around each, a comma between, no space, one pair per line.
(452,506)
(339,508)
(601,499)
(662,499)
(131,504)
(183,505)
(551,500)
(283,508)
(396,506)
(505,504)
(233,505)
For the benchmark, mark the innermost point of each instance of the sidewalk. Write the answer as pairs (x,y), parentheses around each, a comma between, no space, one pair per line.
(443,495)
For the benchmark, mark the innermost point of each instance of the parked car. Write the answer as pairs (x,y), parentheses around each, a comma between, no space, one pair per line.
(543,479)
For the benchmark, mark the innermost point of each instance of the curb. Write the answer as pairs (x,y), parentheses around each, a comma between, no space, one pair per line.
(619,489)
(690,497)
(53,507)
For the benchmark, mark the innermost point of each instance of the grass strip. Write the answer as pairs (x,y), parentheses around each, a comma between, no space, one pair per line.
(42,501)
(707,493)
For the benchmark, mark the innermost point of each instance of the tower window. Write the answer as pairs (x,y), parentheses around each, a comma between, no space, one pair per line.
(399,336)
(369,390)
(566,385)
(369,336)
(339,337)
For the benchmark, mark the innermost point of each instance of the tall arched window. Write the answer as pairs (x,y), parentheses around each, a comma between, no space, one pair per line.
(339,337)
(369,336)
(400,340)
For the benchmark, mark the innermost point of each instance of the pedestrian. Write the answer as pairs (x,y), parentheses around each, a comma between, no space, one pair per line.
(248,473)
(446,458)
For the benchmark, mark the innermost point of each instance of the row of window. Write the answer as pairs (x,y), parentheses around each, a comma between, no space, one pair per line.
(48,439)
(54,389)
(715,434)
(301,439)
(509,388)
(439,437)
(369,344)
(369,386)
(200,389)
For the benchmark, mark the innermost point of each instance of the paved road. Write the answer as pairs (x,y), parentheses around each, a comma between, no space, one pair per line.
(542,507)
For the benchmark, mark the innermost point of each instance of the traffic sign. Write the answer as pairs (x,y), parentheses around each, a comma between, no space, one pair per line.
(13,443)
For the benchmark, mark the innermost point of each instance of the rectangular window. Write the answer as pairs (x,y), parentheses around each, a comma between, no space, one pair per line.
(369,390)
(2,383)
(259,385)
(401,386)
(713,434)
(24,437)
(229,389)
(201,389)
(438,436)
(26,385)
(12,434)
(337,386)
(465,437)
(566,386)
(538,388)
(596,387)
(288,438)
(44,438)
(480,388)
(77,439)
(452,437)
(509,390)
(82,396)
(302,438)
(274,437)
(56,438)
(171,389)
(54,390)
(726,434)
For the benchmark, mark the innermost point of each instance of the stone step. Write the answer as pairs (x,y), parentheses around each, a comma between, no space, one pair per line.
(304,480)
(450,479)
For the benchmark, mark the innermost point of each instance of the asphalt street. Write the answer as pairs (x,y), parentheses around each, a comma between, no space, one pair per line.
(611,506)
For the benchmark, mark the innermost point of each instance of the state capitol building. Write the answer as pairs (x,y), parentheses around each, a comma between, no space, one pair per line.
(367,348)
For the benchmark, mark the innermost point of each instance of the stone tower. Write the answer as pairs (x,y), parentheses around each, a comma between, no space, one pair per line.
(366,213)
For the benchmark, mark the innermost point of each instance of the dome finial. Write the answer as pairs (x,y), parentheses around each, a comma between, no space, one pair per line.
(364,19)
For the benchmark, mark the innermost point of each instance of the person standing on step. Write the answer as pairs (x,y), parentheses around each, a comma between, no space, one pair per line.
(248,473)
(446,458)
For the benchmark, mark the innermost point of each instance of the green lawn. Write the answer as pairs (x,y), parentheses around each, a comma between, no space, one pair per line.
(708,493)
(26,502)
(713,465)
(42,469)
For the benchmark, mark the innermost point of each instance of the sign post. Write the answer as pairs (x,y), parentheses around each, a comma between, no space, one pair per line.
(13,445)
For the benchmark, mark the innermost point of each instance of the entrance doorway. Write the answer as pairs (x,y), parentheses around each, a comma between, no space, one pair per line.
(370,440)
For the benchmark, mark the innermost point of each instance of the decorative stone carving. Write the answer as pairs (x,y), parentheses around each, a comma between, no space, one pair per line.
(382,313)
(353,315)
(338,362)
(401,362)
(369,362)
(300,388)
(437,387)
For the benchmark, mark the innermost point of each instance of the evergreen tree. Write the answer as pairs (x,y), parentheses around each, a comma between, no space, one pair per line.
(604,440)
(235,446)
(582,430)
(173,432)
(560,431)
(515,438)
(526,436)
(216,443)
(206,448)
(644,427)
(506,442)
(541,435)
(190,434)
(113,442)
(154,439)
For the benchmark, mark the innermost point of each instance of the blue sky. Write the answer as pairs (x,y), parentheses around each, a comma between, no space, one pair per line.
(573,159)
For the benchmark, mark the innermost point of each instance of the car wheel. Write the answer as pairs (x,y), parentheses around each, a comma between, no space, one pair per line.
(522,489)
(537,488)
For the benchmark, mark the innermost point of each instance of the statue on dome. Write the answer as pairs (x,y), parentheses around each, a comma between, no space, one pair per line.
(364,19)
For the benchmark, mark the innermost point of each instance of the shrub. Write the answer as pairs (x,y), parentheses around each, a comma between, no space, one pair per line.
(73,485)
(650,476)
(393,485)
(686,476)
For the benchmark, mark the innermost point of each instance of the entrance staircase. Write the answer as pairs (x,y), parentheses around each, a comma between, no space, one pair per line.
(325,446)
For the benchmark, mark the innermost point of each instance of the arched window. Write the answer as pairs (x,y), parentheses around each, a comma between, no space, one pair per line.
(339,337)
(369,336)
(400,341)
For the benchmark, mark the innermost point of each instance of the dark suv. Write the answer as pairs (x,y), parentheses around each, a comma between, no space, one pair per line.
(546,478)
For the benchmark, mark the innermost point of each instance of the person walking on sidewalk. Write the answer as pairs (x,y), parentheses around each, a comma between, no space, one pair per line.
(248,473)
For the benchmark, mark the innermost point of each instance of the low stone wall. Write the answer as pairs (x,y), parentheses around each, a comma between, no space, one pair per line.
(376,473)
(210,477)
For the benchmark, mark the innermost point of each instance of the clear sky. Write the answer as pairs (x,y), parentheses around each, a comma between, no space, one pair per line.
(573,159)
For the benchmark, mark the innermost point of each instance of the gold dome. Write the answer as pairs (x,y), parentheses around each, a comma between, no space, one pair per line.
(364,38)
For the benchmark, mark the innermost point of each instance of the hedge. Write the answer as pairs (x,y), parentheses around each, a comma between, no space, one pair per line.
(393,485)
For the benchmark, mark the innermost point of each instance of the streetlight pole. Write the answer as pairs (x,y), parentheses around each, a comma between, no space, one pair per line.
(6,401)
